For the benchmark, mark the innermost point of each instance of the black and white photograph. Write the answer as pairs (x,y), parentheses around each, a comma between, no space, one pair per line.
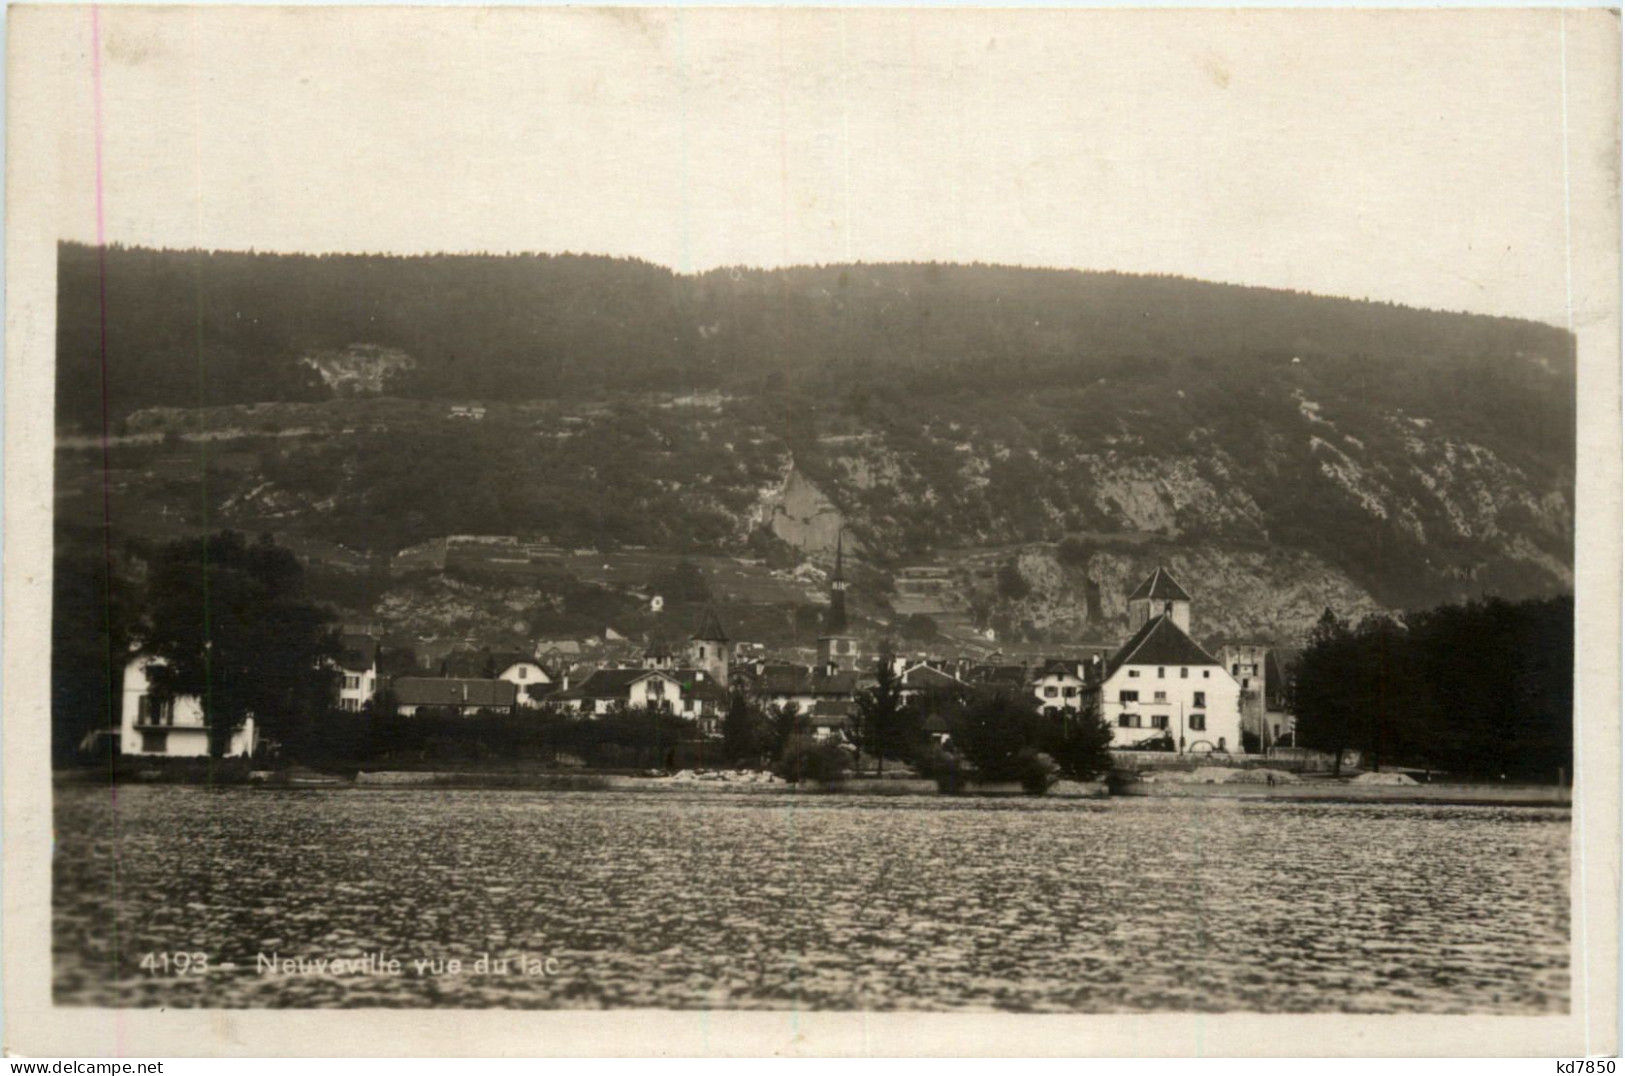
(800,512)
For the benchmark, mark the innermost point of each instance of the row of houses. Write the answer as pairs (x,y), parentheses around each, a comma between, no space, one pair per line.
(1160,685)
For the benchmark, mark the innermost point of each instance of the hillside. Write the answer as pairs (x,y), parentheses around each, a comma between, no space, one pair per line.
(1290,449)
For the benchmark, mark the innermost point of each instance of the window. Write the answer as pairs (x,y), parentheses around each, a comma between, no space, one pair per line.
(151,711)
(1235,670)
(350,704)
(1161,672)
(1134,672)
(155,743)
(1244,681)
(1159,721)
(522,672)
(1128,696)
(1198,722)
(1201,699)
(656,687)
(351,683)
(1049,692)
(1128,721)
(1160,696)
(688,706)
(702,651)
(1204,674)
(1070,692)
(1184,673)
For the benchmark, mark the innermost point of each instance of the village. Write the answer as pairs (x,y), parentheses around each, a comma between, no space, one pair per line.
(1160,691)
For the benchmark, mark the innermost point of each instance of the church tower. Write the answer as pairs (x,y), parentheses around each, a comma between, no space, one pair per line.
(658,655)
(835,622)
(836,648)
(709,648)
(1160,594)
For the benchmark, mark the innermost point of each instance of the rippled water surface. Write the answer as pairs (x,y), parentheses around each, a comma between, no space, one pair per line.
(708,900)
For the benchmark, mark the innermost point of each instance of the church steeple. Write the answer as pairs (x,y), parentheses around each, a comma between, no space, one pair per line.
(835,623)
(836,648)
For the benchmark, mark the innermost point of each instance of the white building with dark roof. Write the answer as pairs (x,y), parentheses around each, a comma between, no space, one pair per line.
(530,680)
(358,669)
(1060,685)
(689,693)
(1161,682)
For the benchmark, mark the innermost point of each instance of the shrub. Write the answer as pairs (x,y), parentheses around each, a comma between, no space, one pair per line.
(1072,552)
(942,766)
(1013,586)
(991,729)
(1036,771)
(1080,744)
(920,628)
(822,763)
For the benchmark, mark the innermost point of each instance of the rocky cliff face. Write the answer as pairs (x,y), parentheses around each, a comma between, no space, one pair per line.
(1403,509)
(360,369)
(799,514)
(1254,594)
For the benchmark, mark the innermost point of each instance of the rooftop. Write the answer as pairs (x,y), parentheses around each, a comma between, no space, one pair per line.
(455,691)
(1160,642)
(711,628)
(1160,585)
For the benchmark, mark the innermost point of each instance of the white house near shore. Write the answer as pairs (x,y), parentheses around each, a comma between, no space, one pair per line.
(358,665)
(169,728)
(1161,681)
(530,680)
(1060,685)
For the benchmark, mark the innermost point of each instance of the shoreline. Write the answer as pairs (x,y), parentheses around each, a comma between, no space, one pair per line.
(1443,795)
(734,783)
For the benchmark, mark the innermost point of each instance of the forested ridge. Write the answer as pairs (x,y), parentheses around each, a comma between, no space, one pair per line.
(192,328)
(1426,456)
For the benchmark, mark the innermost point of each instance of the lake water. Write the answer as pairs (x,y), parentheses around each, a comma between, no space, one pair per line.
(687,900)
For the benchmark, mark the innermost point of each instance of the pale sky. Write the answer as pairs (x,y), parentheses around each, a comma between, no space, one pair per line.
(1418,157)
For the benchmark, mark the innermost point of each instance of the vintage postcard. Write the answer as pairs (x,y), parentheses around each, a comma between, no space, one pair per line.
(812,531)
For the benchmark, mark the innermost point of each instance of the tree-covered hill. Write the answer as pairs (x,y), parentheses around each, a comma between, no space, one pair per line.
(186,328)
(1424,456)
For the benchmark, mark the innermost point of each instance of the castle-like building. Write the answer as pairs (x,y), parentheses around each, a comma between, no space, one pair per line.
(1161,683)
